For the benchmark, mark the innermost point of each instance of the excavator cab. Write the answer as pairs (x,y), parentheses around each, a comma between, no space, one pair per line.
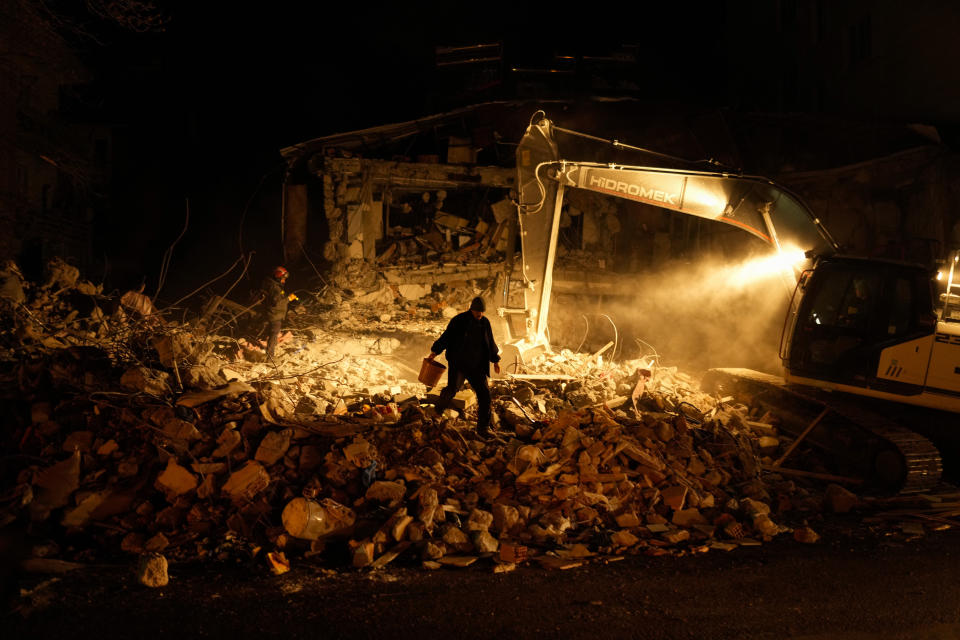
(852,310)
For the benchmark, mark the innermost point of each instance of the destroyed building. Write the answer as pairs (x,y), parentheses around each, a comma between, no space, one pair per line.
(425,209)
(447,180)
(421,202)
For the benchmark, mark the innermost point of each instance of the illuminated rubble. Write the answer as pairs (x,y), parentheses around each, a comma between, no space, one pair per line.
(131,434)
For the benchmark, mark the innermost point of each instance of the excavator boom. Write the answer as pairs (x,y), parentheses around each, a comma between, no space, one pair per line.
(752,203)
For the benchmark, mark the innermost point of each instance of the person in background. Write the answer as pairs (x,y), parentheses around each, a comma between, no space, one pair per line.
(274,306)
(468,341)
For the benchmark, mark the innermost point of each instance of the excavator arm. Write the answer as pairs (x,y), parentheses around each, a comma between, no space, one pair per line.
(754,204)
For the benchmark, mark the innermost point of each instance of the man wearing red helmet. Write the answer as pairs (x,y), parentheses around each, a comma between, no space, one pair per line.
(274,306)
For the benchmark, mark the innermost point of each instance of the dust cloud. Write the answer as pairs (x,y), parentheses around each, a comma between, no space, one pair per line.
(695,316)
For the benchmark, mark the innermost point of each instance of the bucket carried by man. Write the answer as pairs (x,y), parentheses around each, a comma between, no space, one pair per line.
(430,372)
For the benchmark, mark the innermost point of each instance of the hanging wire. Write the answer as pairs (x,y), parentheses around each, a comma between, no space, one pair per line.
(168,255)
(210,282)
(243,216)
(616,335)
(246,266)
(535,207)
(585,332)
(315,270)
(656,356)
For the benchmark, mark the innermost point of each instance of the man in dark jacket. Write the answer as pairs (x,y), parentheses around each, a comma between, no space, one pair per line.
(468,341)
(274,306)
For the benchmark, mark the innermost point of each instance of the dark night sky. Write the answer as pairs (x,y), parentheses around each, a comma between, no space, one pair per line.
(282,75)
(204,107)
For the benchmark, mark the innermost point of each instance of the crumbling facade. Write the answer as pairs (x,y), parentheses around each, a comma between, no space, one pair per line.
(383,211)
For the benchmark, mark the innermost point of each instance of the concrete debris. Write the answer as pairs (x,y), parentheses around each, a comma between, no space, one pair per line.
(244,484)
(175,480)
(273,446)
(840,500)
(363,554)
(278,562)
(152,570)
(332,452)
(484,542)
(138,303)
(413,291)
(806,535)
(197,398)
(11,283)
(388,492)
(55,484)
(149,381)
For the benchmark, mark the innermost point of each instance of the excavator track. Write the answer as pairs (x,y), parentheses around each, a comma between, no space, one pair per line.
(898,457)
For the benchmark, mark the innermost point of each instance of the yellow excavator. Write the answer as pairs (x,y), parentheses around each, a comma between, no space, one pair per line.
(871,361)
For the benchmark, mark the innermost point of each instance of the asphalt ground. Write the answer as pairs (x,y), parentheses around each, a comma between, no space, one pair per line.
(846,587)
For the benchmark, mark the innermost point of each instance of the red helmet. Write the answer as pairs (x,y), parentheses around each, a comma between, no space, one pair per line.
(280,273)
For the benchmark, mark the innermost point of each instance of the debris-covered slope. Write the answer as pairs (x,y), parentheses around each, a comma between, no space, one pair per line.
(127,432)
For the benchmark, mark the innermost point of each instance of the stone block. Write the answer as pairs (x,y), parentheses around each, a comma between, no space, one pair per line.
(386,491)
(246,482)
(624,538)
(688,517)
(479,520)
(674,496)
(175,480)
(840,500)
(152,570)
(273,446)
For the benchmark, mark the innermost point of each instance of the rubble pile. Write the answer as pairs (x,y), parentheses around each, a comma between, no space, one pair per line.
(195,476)
(162,439)
(66,311)
(354,301)
(450,238)
(388,304)
(588,482)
